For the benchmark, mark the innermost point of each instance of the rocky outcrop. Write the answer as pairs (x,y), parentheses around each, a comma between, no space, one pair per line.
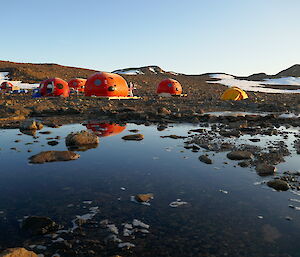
(17,252)
(53,156)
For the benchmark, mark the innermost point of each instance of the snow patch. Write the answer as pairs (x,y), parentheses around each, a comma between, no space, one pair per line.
(258,86)
(129,72)
(4,77)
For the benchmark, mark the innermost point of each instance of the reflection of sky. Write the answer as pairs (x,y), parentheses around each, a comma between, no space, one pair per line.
(160,166)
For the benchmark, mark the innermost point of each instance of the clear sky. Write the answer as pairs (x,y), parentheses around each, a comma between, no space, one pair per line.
(239,37)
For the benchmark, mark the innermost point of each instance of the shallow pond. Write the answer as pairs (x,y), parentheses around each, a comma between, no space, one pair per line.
(228,213)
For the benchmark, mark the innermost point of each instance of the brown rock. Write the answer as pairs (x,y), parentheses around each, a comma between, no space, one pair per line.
(53,156)
(82,138)
(239,155)
(144,198)
(31,125)
(17,252)
(135,137)
(205,159)
(264,169)
(278,185)
(39,225)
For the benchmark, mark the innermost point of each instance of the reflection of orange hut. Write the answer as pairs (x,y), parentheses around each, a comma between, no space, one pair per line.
(54,87)
(77,84)
(106,129)
(169,87)
(106,84)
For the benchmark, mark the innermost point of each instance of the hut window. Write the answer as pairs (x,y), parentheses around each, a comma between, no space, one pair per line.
(111,89)
(169,85)
(177,89)
(98,82)
(60,86)
(74,84)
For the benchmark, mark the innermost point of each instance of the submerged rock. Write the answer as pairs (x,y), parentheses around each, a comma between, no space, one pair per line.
(278,185)
(17,252)
(53,156)
(205,159)
(239,155)
(135,137)
(264,169)
(82,138)
(38,225)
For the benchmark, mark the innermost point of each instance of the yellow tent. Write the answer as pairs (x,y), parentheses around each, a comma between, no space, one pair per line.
(234,93)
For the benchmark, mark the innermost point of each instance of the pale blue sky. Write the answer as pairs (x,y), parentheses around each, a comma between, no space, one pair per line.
(193,36)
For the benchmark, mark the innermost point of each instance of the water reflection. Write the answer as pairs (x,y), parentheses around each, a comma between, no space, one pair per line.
(105,129)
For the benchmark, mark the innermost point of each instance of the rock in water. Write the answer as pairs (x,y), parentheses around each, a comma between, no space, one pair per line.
(205,159)
(82,138)
(17,252)
(31,125)
(53,156)
(264,169)
(38,225)
(239,155)
(278,185)
(135,137)
(144,198)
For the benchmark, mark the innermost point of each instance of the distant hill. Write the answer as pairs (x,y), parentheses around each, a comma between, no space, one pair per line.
(32,73)
(293,71)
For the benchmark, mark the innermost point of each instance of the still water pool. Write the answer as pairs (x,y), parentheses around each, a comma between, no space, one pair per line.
(228,212)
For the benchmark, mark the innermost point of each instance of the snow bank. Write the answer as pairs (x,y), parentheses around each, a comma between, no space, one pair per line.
(258,86)
(20,84)
(129,72)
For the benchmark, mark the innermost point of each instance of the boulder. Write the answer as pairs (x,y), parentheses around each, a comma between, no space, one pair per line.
(278,185)
(31,125)
(17,252)
(163,111)
(264,169)
(53,156)
(134,137)
(205,159)
(82,138)
(239,155)
(38,225)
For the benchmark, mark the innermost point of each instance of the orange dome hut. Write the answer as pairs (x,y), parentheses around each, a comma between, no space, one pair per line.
(7,86)
(106,84)
(54,87)
(105,129)
(169,86)
(77,84)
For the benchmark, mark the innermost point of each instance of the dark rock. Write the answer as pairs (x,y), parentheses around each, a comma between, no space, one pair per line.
(244,164)
(31,125)
(239,155)
(278,185)
(53,156)
(205,159)
(264,169)
(38,225)
(52,142)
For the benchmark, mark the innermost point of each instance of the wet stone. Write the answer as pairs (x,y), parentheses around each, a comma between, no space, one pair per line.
(135,137)
(53,156)
(205,159)
(38,225)
(239,155)
(264,169)
(278,185)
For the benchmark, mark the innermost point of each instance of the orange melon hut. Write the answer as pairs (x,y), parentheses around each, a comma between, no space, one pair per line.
(106,84)
(169,86)
(77,84)
(54,87)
